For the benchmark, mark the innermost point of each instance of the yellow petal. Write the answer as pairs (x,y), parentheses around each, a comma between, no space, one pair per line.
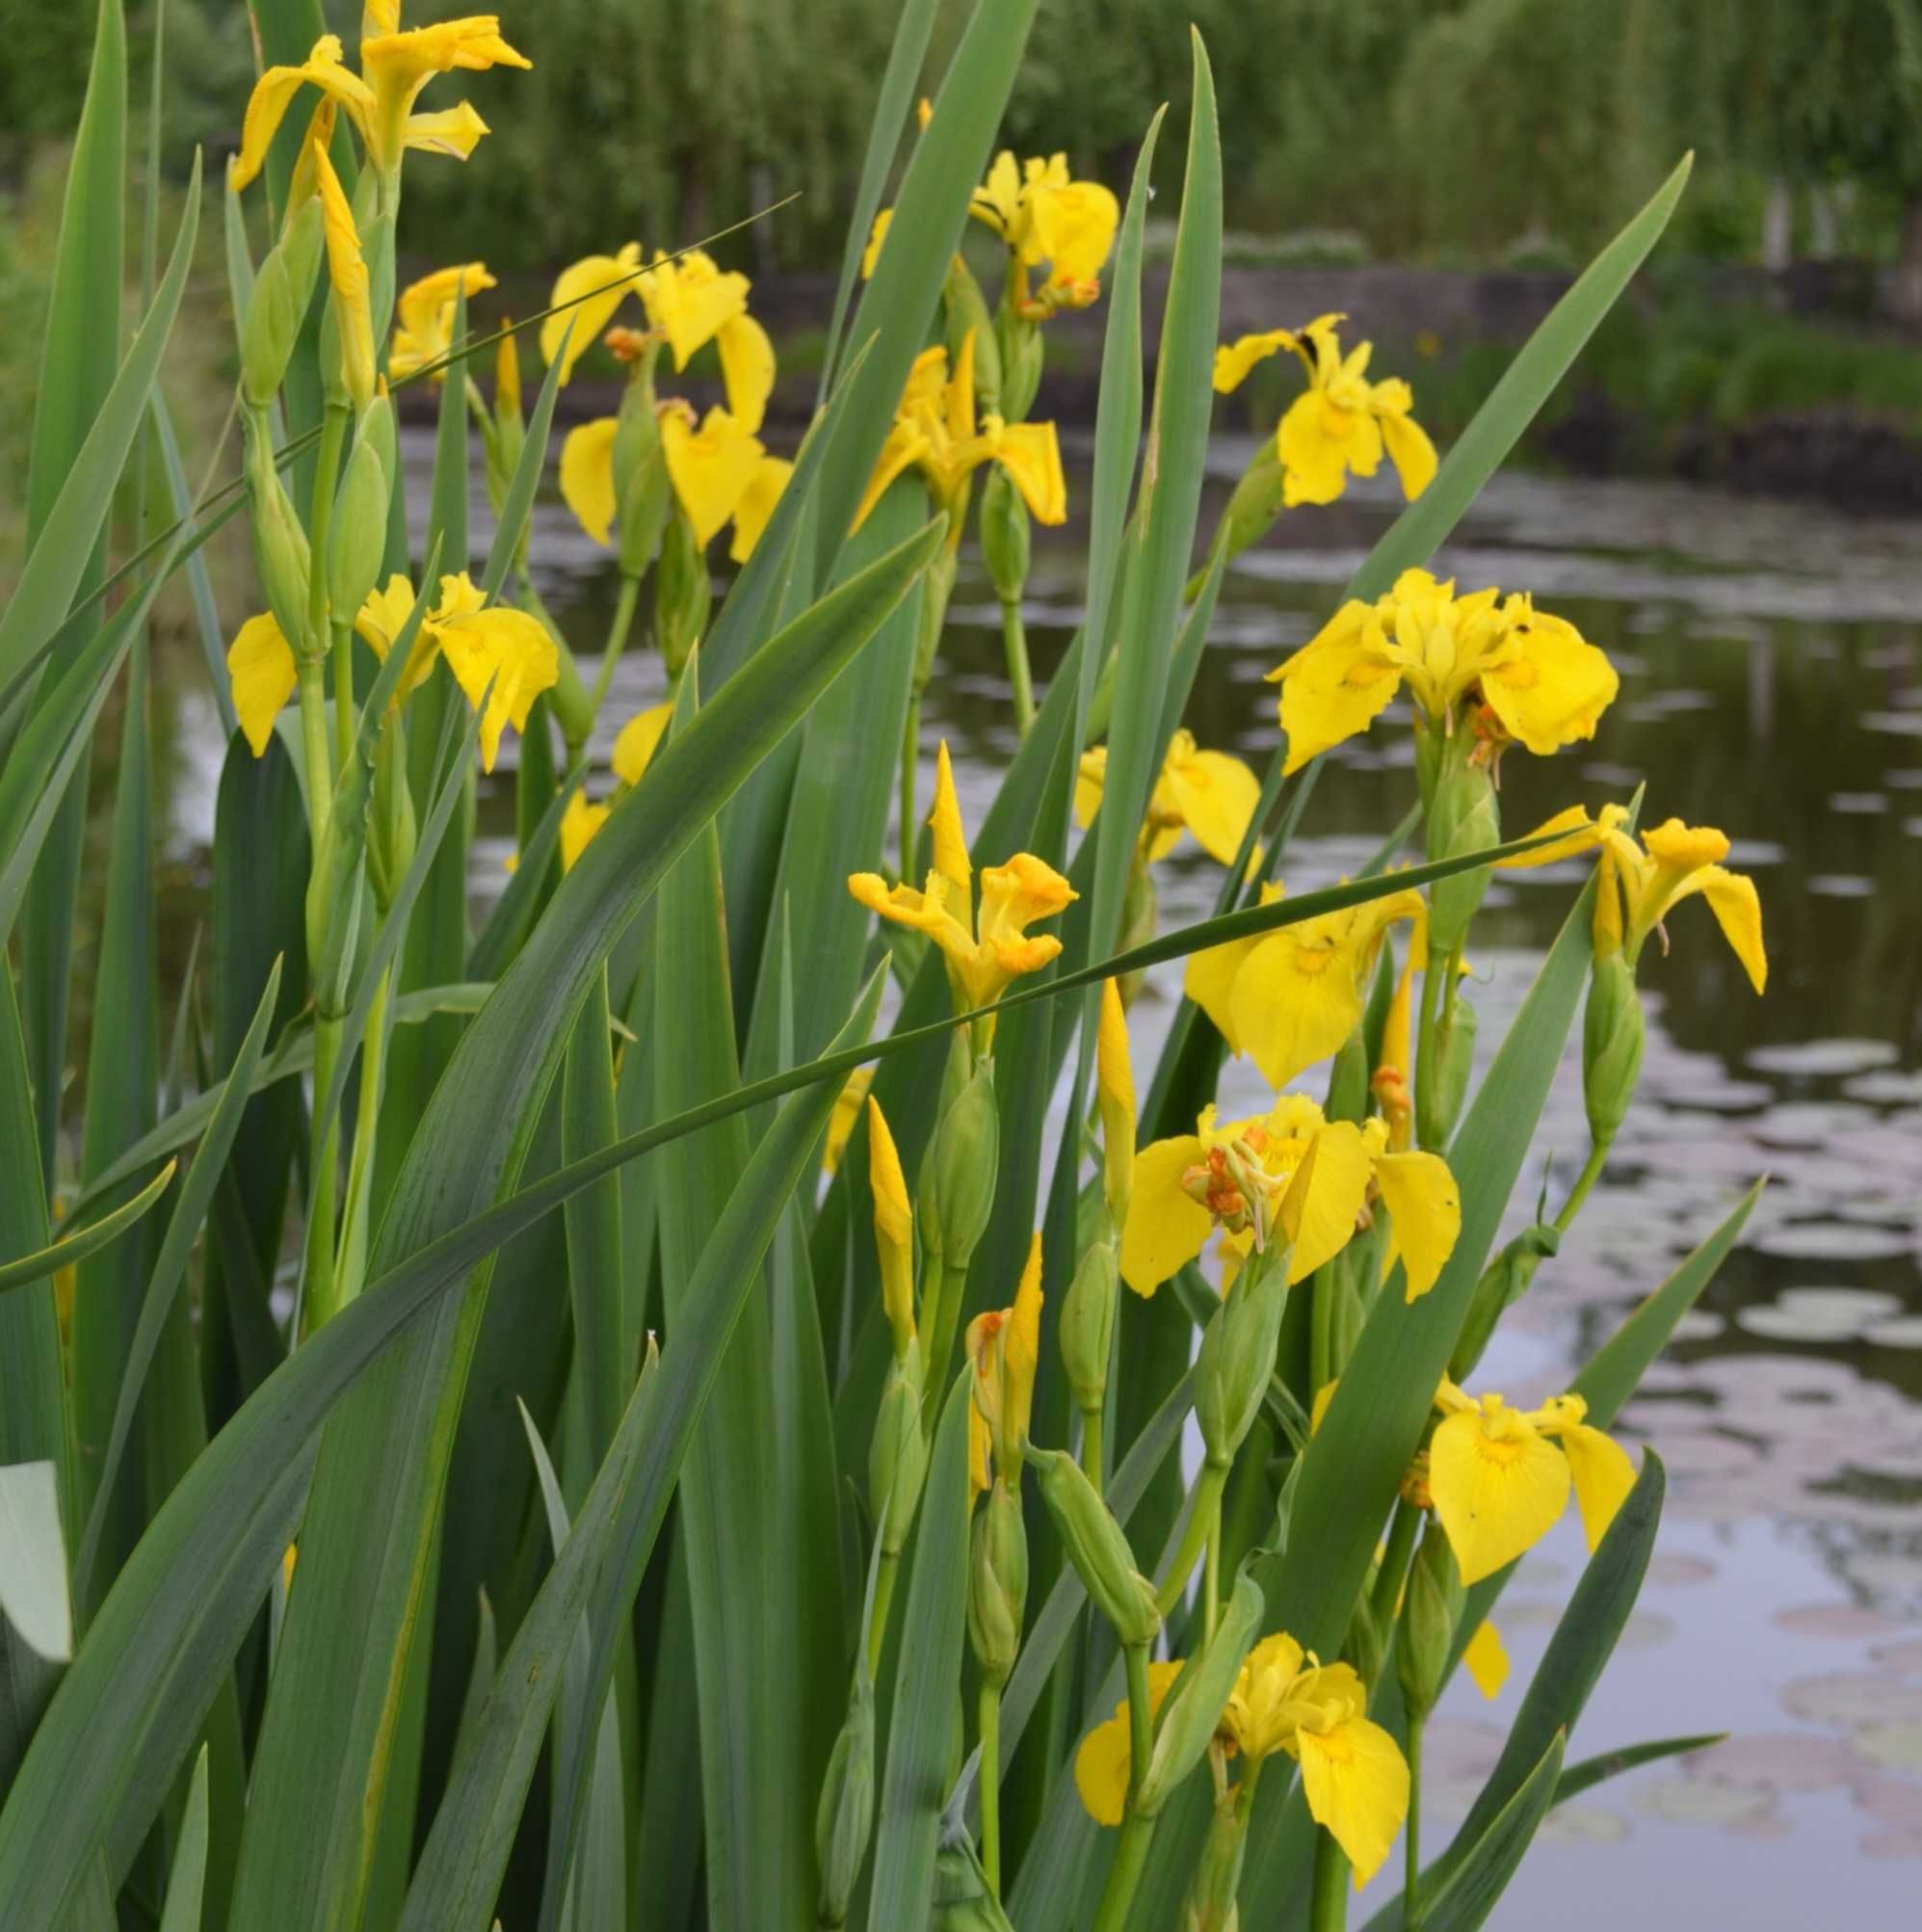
(347,273)
(1090,781)
(949,836)
(274,90)
(979,1442)
(1356,1785)
(400,65)
(1487,1661)
(1165,1228)
(261,668)
(1498,1487)
(587,476)
(690,299)
(1336,1193)
(455,131)
(847,1110)
(1602,1475)
(1073,229)
(1425,1205)
(639,738)
(710,468)
(1738,911)
(381,618)
(1320,444)
(1234,360)
(587,294)
(1579,834)
(905,447)
(1296,999)
(1102,1763)
(1553,690)
(1410,451)
(893,1217)
(757,507)
(503,653)
(1215,795)
(578,825)
(876,236)
(1031,455)
(1337,684)
(747,369)
(1022,1345)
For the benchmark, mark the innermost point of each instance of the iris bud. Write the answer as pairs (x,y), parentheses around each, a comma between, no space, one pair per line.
(1463,816)
(1097,1546)
(683,592)
(1237,1354)
(845,1815)
(280,552)
(336,934)
(278,304)
(1504,1282)
(898,1455)
(997,1583)
(962,1901)
(1194,1709)
(1612,1039)
(1454,1063)
(643,493)
(357,538)
(1006,535)
(1087,1326)
(1431,1609)
(967,313)
(957,1178)
(1257,501)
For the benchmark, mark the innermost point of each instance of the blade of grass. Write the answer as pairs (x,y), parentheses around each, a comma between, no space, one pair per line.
(84,1241)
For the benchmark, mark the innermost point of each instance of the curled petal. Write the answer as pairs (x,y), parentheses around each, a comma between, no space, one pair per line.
(1602,1475)
(1165,1228)
(587,295)
(587,476)
(1499,1487)
(1031,455)
(1234,360)
(639,740)
(1338,1191)
(1424,1206)
(260,666)
(1356,1781)
(747,369)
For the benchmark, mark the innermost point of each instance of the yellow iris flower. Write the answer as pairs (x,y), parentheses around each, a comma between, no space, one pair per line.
(484,643)
(1291,998)
(380,99)
(1004,1349)
(1499,1477)
(639,739)
(1520,672)
(847,1105)
(424,329)
(347,277)
(586,295)
(1045,216)
(934,432)
(1352,1772)
(1211,794)
(1643,882)
(578,825)
(690,301)
(1101,1765)
(987,949)
(1185,1187)
(1341,421)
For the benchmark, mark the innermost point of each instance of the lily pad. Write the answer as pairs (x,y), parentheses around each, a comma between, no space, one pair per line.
(1810,1059)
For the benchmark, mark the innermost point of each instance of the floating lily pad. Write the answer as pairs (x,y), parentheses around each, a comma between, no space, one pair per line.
(1583,1824)
(1840,886)
(1863,801)
(1870,1699)
(1818,1315)
(1844,1620)
(1812,1058)
(1831,1241)
(1904,1331)
(1887,1087)
(1897,1747)
(1701,1801)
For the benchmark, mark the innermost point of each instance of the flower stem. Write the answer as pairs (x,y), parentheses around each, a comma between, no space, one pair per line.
(1428,1059)
(911,759)
(1411,1840)
(1387,1591)
(1211,1574)
(351,1262)
(616,641)
(1014,641)
(343,695)
(990,1785)
(1327,1910)
(883,1596)
(1137,1832)
(1202,1518)
(1093,1422)
(950,1286)
(318,1298)
(1585,1182)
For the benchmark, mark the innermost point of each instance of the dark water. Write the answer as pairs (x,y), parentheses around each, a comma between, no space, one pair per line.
(1772,684)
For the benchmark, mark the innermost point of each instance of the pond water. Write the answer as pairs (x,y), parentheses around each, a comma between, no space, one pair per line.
(1771,657)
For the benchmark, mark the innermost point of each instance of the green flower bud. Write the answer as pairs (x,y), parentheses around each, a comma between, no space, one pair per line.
(1257,501)
(1140,914)
(898,1455)
(958,1174)
(1211,1905)
(683,592)
(1612,1040)
(643,493)
(358,537)
(1463,816)
(1193,1708)
(1021,359)
(1504,1282)
(962,1901)
(844,1817)
(997,1583)
(1237,1354)
(1087,1326)
(1347,1096)
(967,312)
(1366,1642)
(1431,1609)
(1438,1111)
(280,552)
(937,583)
(337,929)
(392,832)
(1006,536)
(1097,1546)
(278,303)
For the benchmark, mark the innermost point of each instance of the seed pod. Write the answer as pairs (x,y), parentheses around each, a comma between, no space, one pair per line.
(277,305)
(358,540)
(1087,1326)
(844,1817)
(1097,1546)
(997,1583)
(1431,1608)
(958,1174)
(683,592)
(898,1455)
(1237,1354)
(1612,1039)
(1193,1708)
(1006,536)
(1504,1282)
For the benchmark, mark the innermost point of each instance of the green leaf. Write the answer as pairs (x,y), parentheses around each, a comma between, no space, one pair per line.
(517,502)
(1606,1764)
(84,1241)
(33,1560)
(921,1731)
(187,1880)
(1472,1891)
(323,1756)
(199,585)
(606,1357)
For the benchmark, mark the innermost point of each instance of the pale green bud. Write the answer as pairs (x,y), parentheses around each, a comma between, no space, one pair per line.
(1366,1644)
(1097,1546)
(358,537)
(335,938)
(898,1453)
(1237,1354)
(958,1174)
(962,1901)
(937,583)
(844,1817)
(1431,1609)
(280,552)
(1192,1711)
(997,1583)
(392,832)
(967,312)
(1087,1326)
(277,304)
(683,592)
(1006,536)
(1503,1283)
(1257,501)
(1463,816)
(1437,1112)
(1611,1040)
(643,493)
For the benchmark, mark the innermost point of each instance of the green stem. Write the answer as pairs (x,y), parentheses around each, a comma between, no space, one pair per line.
(1428,1059)
(1320,1330)
(1093,1422)
(1584,1184)
(911,756)
(1328,1909)
(1014,641)
(343,695)
(952,1282)
(1417,1721)
(1205,1512)
(350,1266)
(1211,1574)
(1401,1533)
(319,1298)
(989,1783)
(883,1596)
(319,521)
(313,742)
(616,641)
(1137,1832)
